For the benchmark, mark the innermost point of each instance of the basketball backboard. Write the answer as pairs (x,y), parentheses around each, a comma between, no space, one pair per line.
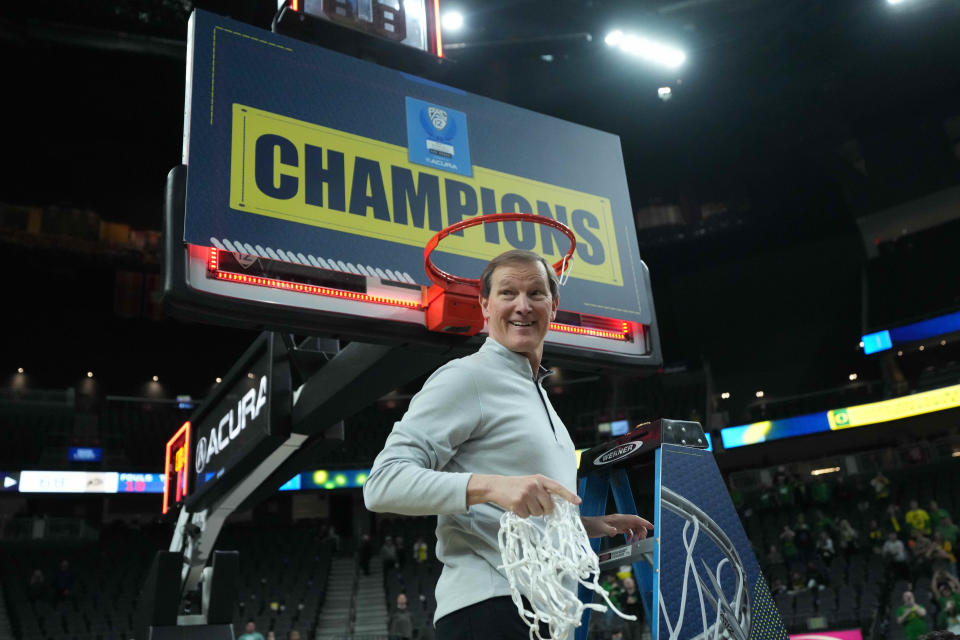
(311,182)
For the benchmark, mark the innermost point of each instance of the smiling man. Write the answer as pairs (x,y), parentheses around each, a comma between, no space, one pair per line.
(480,438)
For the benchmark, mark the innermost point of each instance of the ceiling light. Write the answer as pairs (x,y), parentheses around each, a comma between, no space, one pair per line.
(664,93)
(89,374)
(759,394)
(861,344)
(156,379)
(820,472)
(899,353)
(943,343)
(19,369)
(250,375)
(894,1)
(219,380)
(649,50)
(852,377)
(921,347)
(452,21)
(725,395)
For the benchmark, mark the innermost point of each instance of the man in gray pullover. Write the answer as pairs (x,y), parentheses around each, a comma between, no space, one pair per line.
(481,437)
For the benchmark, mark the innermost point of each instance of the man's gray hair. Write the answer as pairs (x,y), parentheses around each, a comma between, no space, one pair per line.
(518,256)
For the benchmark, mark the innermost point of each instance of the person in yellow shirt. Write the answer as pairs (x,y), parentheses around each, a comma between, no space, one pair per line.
(918,518)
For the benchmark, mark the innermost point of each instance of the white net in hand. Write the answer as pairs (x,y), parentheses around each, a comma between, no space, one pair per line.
(545,564)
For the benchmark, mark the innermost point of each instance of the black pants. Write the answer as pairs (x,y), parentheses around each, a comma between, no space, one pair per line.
(493,619)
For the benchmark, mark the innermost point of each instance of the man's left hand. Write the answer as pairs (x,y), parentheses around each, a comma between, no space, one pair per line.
(634,527)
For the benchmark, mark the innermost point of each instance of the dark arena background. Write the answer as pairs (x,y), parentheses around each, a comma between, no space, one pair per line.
(793,172)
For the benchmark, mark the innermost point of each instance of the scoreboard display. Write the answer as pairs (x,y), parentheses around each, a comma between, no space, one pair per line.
(235,429)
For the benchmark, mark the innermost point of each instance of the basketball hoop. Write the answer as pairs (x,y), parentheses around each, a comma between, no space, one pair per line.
(452,303)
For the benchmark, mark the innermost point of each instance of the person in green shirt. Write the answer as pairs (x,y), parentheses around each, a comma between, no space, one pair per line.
(912,617)
(820,491)
(937,514)
(948,530)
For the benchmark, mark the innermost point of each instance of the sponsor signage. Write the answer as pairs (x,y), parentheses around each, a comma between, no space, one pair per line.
(244,420)
(68,481)
(617,453)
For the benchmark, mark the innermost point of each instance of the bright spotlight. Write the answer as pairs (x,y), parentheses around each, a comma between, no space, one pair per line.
(894,1)
(647,49)
(452,21)
(725,395)
(156,378)
(664,93)
(614,37)
(219,380)
(19,369)
(89,374)
(852,377)
(759,394)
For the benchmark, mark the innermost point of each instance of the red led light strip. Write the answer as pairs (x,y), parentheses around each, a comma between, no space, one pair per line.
(213,267)
(436,24)
(598,333)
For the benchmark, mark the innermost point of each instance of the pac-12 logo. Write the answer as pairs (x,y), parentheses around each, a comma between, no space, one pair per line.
(235,420)
(617,453)
(438,117)
(437,123)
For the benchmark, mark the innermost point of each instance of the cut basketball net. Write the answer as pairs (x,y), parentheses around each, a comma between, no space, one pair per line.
(543,563)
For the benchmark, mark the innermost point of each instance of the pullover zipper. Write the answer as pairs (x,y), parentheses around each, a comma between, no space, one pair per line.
(545,410)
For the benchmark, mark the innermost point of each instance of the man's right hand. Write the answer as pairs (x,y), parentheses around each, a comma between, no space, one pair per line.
(523,495)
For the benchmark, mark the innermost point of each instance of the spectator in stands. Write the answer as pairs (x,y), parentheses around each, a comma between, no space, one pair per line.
(768,497)
(631,605)
(774,557)
(948,530)
(945,587)
(912,617)
(849,538)
(37,586)
(797,583)
(388,554)
(777,587)
(401,551)
(823,522)
(820,491)
(271,635)
(825,548)
(420,551)
(893,516)
(937,514)
(400,622)
(815,577)
(876,537)
(293,635)
(949,618)
(250,632)
(895,554)
(62,581)
(881,486)
(789,544)
(804,537)
(941,554)
(917,518)
(364,553)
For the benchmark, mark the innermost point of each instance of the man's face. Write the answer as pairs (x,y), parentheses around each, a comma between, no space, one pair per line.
(908,598)
(520,308)
(250,628)
(401,601)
